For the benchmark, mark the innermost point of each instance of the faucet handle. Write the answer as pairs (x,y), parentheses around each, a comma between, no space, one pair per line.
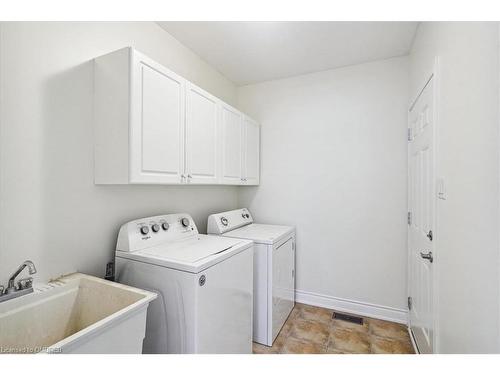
(25,283)
(1,289)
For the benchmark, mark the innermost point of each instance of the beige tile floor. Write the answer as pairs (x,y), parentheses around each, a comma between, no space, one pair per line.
(311,330)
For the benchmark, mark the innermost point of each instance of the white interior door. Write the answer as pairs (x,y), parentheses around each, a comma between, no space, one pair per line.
(157,125)
(251,160)
(201,136)
(232,148)
(421,202)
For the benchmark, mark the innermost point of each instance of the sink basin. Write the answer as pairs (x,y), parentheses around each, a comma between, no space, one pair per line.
(76,313)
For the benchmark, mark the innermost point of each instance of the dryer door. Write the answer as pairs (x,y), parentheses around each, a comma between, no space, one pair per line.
(283,284)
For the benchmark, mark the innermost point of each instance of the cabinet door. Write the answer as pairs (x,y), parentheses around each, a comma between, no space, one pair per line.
(157,123)
(231,144)
(251,161)
(202,152)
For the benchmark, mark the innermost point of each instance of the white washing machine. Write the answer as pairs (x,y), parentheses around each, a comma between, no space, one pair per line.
(274,268)
(204,285)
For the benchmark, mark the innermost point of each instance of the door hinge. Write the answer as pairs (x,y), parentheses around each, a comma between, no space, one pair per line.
(409,303)
(409,218)
(409,135)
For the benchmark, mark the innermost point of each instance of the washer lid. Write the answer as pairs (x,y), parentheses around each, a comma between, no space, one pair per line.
(261,233)
(192,250)
(192,255)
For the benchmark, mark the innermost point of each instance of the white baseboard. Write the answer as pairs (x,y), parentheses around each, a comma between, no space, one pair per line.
(352,307)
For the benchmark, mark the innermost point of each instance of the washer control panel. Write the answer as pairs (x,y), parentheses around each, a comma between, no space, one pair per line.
(152,231)
(225,221)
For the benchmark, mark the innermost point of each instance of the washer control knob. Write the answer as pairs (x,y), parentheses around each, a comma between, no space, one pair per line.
(224,221)
(144,229)
(185,222)
(165,225)
(155,228)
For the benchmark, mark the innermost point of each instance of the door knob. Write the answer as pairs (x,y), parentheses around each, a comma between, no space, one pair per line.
(427,256)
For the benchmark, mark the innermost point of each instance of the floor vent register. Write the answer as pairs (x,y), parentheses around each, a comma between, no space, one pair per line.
(348,318)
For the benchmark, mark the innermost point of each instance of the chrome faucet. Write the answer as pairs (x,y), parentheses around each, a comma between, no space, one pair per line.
(24,286)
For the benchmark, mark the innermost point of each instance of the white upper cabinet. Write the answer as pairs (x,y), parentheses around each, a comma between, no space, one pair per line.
(232,145)
(251,151)
(154,127)
(157,123)
(202,136)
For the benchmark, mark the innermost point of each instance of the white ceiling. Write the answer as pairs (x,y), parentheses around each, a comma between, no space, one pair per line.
(250,52)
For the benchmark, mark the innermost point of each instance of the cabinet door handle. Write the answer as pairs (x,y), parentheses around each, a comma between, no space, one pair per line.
(189,176)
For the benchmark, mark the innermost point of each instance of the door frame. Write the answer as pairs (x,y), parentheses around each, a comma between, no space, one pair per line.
(432,74)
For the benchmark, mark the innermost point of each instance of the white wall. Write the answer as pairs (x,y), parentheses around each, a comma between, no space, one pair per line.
(468,224)
(50,210)
(333,149)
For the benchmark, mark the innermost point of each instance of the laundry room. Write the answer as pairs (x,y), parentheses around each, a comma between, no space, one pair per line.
(249,187)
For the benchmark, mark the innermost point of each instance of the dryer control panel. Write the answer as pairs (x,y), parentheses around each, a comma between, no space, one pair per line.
(155,230)
(225,221)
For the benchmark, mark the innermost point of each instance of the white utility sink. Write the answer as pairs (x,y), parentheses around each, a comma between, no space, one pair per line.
(75,314)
